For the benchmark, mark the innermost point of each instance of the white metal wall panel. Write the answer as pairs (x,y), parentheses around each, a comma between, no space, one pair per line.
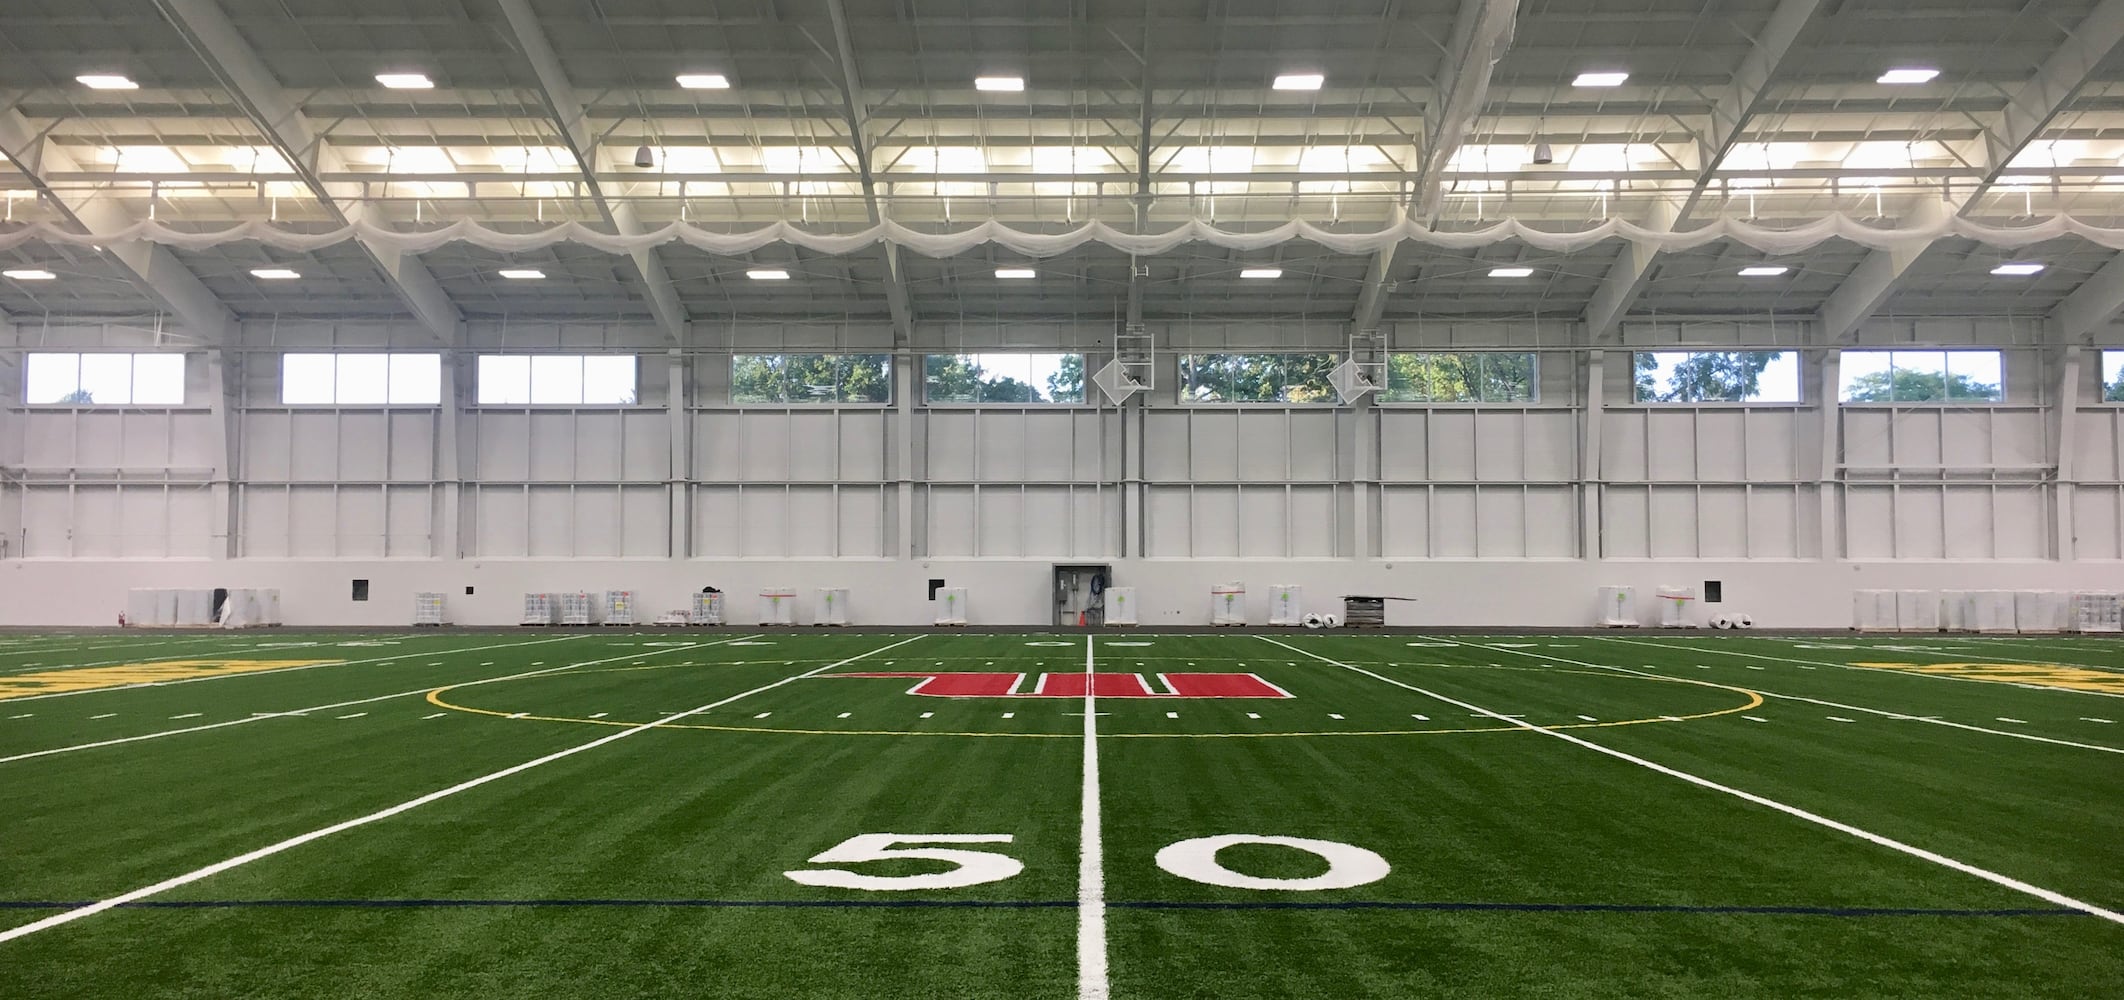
(1454,522)
(1551,522)
(1624,524)
(499,515)
(1674,528)
(1404,522)
(950,525)
(2097,515)
(716,530)
(410,511)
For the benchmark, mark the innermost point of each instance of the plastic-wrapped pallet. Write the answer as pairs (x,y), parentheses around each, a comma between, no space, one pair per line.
(1674,606)
(619,607)
(707,609)
(251,608)
(1958,610)
(1618,607)
(145,607)
(1873,610)
(1917,610)
(1286,604)
(1121,606)
(2101,612)
(427,609)
(575,607)
(833,606)
(2041,611)
(1994,610)
(778,606)
(1228,604)
(541,609)
(951,605)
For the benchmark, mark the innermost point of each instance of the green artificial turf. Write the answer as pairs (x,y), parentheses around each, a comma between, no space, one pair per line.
(1519,863)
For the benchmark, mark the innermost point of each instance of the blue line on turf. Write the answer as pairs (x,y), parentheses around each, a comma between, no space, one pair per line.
(1036,904)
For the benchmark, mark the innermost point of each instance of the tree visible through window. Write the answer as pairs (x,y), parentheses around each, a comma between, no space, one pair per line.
(1716,377)
(2113,376)
(811,378)
(1257,378)
(1460,377)
(1921,376)
(1003,378)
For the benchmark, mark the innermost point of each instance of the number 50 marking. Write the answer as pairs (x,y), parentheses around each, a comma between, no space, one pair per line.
(1349,866)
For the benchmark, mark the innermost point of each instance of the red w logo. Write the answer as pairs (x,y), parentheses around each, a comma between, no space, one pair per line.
(970,685)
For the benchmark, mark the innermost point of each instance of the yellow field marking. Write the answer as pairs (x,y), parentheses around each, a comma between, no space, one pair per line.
(1754,701)
(2048,675)
(94,678)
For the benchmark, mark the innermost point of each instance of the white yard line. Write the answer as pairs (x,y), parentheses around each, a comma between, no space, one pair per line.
(90,910)
(281,670)
(1944,658)
(261,716)
(1092,982)
(1892,844)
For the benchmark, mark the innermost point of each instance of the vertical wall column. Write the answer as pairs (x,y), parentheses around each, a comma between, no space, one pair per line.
(903,396)
(2065,407)
(1822,381)
(1363,473)
(449,480)
(221,386)
(678,486)
(1589,482)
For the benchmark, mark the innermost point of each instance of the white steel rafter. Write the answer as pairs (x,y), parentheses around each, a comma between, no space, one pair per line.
(851,86)
(2028,112)
(573,127)
(152,268)
(1739,104)
(206,28)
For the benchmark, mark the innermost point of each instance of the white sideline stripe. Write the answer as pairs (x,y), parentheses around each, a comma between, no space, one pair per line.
(263,673)
(256,716)
(1942,657)
(1092,983)
(1935,720)
(69,916)
(1796,812)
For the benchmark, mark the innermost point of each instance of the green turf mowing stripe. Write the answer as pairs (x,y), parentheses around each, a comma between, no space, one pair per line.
(166,885)
(1996,878)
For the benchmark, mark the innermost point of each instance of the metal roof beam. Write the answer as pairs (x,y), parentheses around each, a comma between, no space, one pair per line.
(896,297)
(2037,103)
(151,267)
(279,119)
(2093,305)
(566,111)
(1481,33)
(1627,279)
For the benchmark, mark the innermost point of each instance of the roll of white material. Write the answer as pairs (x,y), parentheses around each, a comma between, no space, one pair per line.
(1313,621)
(1743,621)
(1721,621)
(1331,620)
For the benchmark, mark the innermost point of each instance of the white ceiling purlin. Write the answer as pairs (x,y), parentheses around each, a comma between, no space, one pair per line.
(896,298)
(279,119)
(151,267)
(1146,125)
(2029,110)
(1626,281)
(569,119)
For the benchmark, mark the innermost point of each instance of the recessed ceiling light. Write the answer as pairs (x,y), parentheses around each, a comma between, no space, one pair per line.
(521,273)
(1016,272)
(405,81)
(999,83)
(106,81)
(1511,272)
(767,274)
(1261,272)
(30,274)
(704,81)
(1767,271)
(1909,74)
(1299,81)
(274,273)
(2018,270)
(1600,79)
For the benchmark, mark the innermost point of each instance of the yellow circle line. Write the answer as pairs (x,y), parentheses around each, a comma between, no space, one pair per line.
(1754,701)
